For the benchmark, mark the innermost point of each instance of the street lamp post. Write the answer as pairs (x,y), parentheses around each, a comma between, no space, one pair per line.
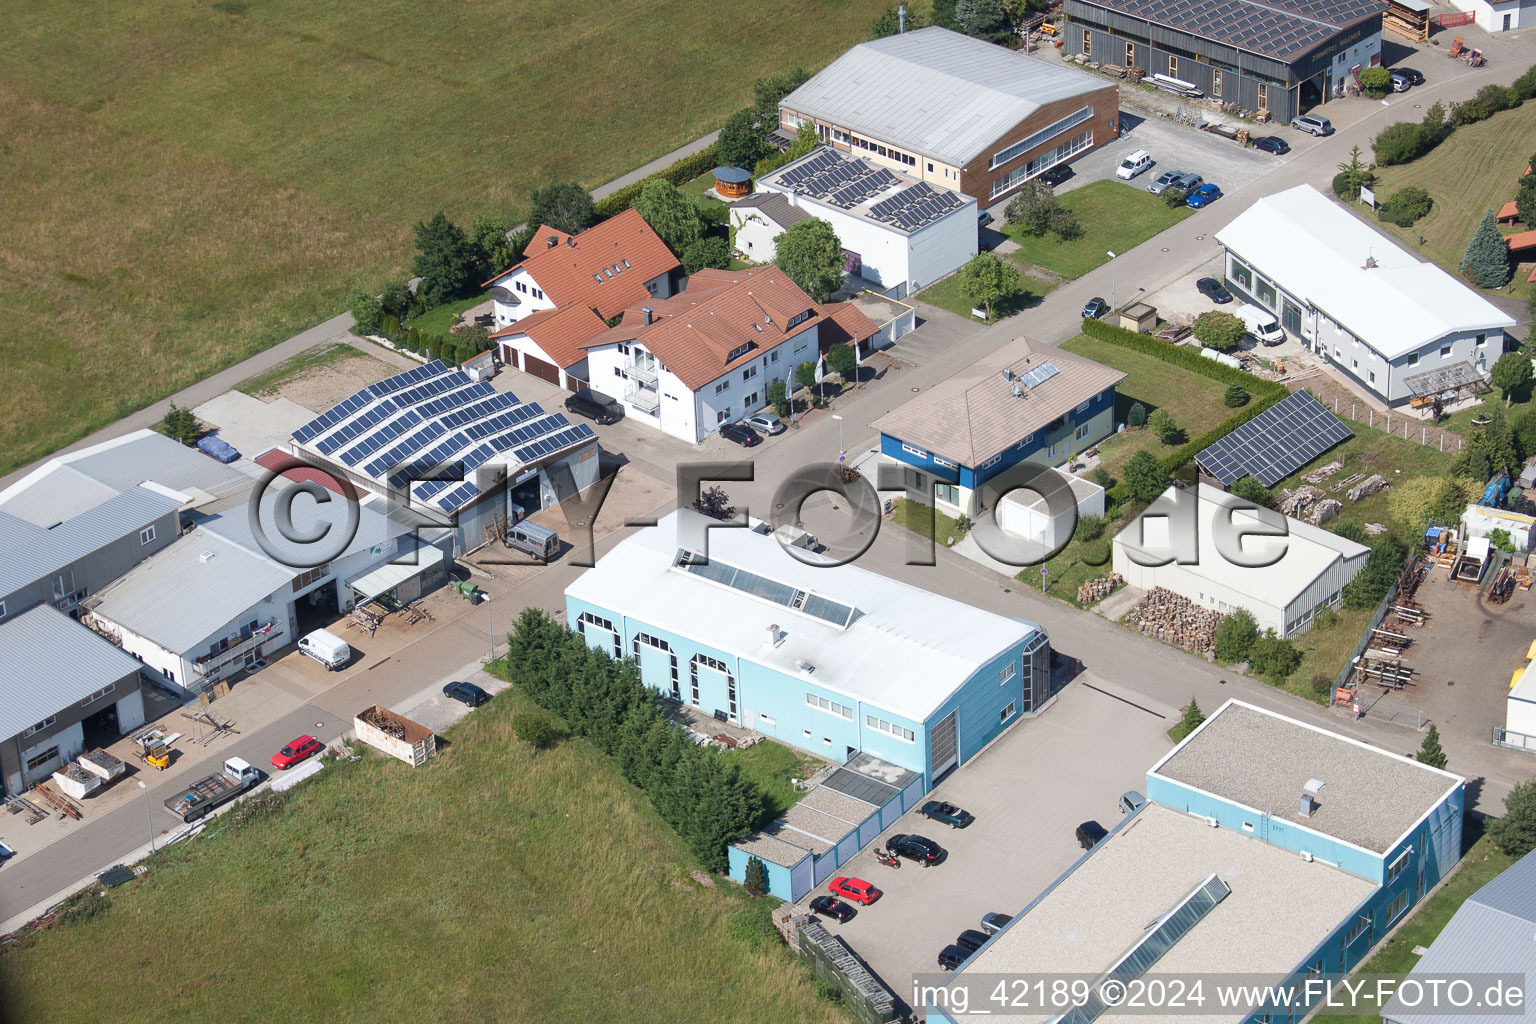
(148,815)
(1111,282)
(841,450)
(490,623)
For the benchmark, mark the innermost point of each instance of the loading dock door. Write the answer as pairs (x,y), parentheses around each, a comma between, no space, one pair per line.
(943,746)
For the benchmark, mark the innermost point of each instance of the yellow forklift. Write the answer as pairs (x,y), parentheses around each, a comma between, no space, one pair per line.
(155,747)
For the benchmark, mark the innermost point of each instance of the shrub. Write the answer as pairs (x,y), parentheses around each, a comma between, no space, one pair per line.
(685,170)
(1395,144)
(1235,636)
(1220,331)
(843,361)
(1089,527)
(1273,657)
(1173,198)
(1322,686)
(1381,570)
(1375,81)
(1163,425)
(1525,85)
(1137,416)
(755,878)
(1515,833)
(1234,397)
(712,251)
(366,310)
(1102,478)
(85,904)
(1405,206)
(1145,477)
(1326,618)
(1250,489)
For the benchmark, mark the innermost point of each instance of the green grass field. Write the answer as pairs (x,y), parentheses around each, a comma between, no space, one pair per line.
(1193,401)
(947,294)
(440,320)
(186,185)
(1474,170)
(486,885)
(1115,217)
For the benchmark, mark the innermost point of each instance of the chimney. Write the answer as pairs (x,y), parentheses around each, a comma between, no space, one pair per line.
(551,242)
(645,311)
(774,636)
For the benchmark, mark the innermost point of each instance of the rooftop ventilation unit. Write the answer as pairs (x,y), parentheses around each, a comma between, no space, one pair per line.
(571,241)
(804,666)
(205,557)
(645,311)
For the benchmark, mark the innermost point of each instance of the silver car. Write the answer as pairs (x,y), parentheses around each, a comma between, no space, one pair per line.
(767,422)
(1312,124)
(1184,181)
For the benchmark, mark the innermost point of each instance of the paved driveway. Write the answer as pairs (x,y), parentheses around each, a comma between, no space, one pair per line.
(1029,791)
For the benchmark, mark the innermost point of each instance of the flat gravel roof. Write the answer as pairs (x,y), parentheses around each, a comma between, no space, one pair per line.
(1262,760)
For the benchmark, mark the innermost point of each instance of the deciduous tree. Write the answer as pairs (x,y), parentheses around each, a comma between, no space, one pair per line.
(1249,489)
(1515,833)
(537,728)
(1220,331)
(670,214)
(1145,477)
(1512,373)
(366,311)
(987,279)
(564,206)
(711,251)
(810,253)
(1235,635)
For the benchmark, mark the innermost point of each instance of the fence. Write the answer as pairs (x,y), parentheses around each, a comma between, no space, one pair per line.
(1399,426)
(1453,19)
(1502,737)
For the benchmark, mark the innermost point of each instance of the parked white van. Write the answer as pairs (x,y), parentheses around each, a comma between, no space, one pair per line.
(327,648)
(1134,164)
(1261,323)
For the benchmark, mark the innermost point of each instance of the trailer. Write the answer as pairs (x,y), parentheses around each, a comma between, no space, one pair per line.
(219,788)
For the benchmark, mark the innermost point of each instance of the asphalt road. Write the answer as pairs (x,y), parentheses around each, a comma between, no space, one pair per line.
(1110,652)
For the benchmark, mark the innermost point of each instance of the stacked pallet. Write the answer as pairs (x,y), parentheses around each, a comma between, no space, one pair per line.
(1164,615)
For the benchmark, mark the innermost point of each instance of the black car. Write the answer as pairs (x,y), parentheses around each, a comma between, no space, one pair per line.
(595,405)
(833,907)
(949,814)
(925,851)
(466,693)
(1212,289)
(951,957)
(1414,78)
(972,939)
(1096,308)
(1056,175)
(741,434)
(1090,834)
(1272,144)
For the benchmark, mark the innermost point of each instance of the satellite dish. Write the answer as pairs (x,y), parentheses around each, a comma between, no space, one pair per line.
(505,296)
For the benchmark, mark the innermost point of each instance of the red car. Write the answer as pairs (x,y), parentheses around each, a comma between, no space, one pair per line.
(296,751)
(855,889)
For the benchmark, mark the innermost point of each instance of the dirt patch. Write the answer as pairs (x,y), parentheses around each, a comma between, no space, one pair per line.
(321,386)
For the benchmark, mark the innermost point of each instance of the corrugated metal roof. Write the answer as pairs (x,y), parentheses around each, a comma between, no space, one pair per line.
(939,93)
(50,550)
(1492,933)
(125,462)
(62,493)
(48,661)
(178,600)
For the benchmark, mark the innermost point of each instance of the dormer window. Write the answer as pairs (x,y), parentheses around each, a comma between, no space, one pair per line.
(737,353)
(797,319)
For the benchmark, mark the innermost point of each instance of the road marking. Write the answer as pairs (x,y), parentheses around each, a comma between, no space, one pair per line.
(1122,700)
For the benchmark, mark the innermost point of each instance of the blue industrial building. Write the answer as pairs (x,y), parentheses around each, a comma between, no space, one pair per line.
(1015,405)
(834,659)
(1268,847)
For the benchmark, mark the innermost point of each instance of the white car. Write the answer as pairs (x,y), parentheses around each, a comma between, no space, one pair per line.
(1134,164)
(767,422)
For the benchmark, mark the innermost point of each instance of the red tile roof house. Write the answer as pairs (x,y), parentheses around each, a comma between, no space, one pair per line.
(705,356)
(566,286)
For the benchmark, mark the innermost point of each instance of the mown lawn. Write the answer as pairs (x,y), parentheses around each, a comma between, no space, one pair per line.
(1475,170)
(185,185)
(1114,216)
(947,294)
(440,320)
(926,521)
(486,885)
(269,382)
(1479,866)
(1193,401)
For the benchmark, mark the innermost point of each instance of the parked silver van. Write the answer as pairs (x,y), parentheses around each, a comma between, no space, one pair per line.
(532,539)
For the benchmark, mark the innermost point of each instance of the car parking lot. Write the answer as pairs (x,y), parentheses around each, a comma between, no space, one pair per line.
(1029,792)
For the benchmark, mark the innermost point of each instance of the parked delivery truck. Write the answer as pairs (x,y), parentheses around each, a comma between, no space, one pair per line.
(219,788)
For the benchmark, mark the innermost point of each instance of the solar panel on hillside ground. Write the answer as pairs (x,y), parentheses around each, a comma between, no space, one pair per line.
(1275,443)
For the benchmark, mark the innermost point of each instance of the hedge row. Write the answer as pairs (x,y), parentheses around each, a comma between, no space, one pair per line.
(1265,392)
(680,173)
(701,795)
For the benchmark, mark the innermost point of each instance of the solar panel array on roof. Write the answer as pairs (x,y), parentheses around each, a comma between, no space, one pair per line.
(435,416)
(911,208)
(1275,443)
(835,612)
(817,163)
(1039,375)
(1278,28)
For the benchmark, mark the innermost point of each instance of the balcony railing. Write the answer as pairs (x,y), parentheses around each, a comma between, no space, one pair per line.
(644,399)
(645,372)
(211,664)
